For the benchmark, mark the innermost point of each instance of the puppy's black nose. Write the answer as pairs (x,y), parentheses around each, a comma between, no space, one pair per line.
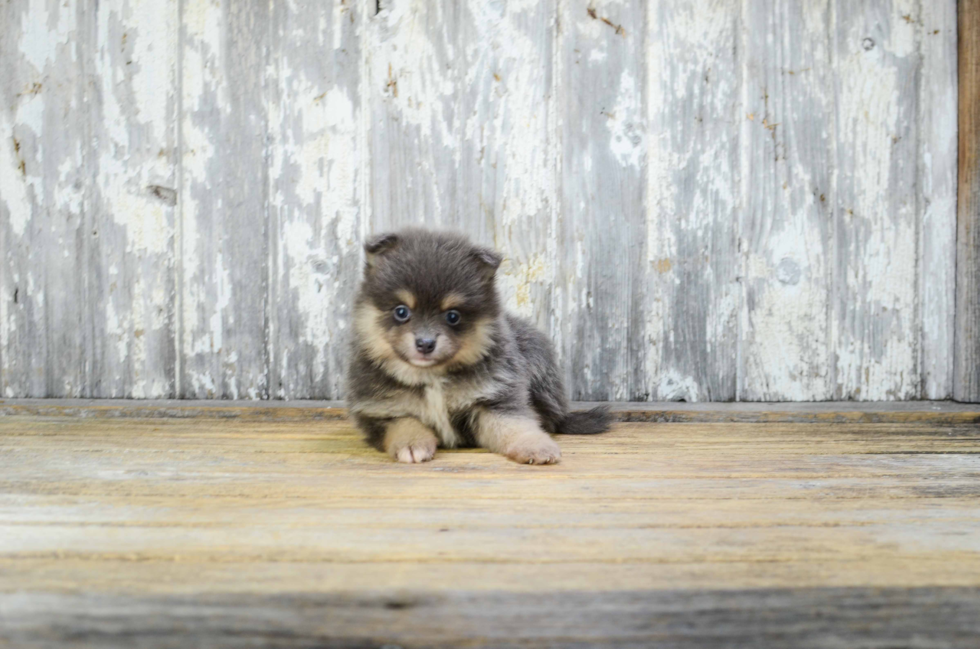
(425,345)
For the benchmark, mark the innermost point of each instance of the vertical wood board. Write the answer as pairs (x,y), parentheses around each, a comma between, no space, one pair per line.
(692,262)
(315,199)
(413,68)
(876,242)
(787,184)
(133,181)
(508,132)
(602,158)
(45,195)
(966,378)
(223,230)
(937,159)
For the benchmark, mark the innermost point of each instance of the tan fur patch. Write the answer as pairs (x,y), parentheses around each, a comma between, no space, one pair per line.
(475,346)
(435,413)
(406,297)
(374,340)
(452,301)
(433,408)
(371,334)
(408,374)
(519,438)
(408,440)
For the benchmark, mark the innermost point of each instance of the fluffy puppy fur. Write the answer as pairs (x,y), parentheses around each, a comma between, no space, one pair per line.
(436,362)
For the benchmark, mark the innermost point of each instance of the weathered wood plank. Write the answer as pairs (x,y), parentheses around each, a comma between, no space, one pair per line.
(808,619)
(414,154)
(134,177)
(867,489)
(787,169)
(604,147)
(966,378)
(223,230)
(692,263)
(925,412)
(45,330)
(601,237)
(316,193)
(507,177)
(875,319)
(163,532)
(937,197)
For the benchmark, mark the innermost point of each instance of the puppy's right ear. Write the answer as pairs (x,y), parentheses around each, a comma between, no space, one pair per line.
(488,261)
(377,246)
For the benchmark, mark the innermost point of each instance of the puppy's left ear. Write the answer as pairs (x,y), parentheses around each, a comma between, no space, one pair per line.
(378,245)
(488,260)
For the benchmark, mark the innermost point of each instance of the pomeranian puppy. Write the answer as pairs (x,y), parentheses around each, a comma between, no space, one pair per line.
(435,361)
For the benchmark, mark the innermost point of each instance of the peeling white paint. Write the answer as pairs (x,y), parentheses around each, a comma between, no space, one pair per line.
(478,108)
(673,386)
(877,347)
(308,279)
(786,143)
(626,138)
(41,32)
(691,180)
(419,87)
(938,154)
(506,116)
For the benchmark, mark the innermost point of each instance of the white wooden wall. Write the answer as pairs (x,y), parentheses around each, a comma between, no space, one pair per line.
(699,199)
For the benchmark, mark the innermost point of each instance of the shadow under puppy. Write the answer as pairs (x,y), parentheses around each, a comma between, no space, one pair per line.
(437,362)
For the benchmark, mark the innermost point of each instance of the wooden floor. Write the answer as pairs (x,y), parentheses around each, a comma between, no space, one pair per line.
(288,531)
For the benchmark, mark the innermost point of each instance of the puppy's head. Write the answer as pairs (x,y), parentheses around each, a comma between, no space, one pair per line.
(427,300)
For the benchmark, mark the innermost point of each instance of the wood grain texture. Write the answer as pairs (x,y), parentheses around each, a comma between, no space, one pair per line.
(966,379)
(508,146)
(875,238)
(787,150)
(132,208)
(223,230)
(413,68)
(164,532)
(696,201)
(808,619)
(937,157)
(692,266)
(45,198)
(938,413)
(602,159)
(316,193)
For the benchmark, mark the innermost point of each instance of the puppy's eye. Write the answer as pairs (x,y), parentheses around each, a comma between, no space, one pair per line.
(453,317)
(402,313)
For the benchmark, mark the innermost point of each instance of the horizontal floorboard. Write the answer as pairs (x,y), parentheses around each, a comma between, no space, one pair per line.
(285,529)
(939,412)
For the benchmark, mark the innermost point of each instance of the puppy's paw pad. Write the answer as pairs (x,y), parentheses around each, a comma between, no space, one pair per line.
(415,453)
(543,451)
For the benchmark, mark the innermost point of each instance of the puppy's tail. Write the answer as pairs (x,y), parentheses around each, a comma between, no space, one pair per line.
(586,422)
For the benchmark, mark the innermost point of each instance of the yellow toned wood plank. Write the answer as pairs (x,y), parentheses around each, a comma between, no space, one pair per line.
(132,510)
(135,576)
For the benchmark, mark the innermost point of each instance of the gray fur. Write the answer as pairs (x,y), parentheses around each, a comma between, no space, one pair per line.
(516,374)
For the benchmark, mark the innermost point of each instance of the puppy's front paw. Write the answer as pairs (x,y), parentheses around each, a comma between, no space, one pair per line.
(539,449)
(416,451)
(407,440)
